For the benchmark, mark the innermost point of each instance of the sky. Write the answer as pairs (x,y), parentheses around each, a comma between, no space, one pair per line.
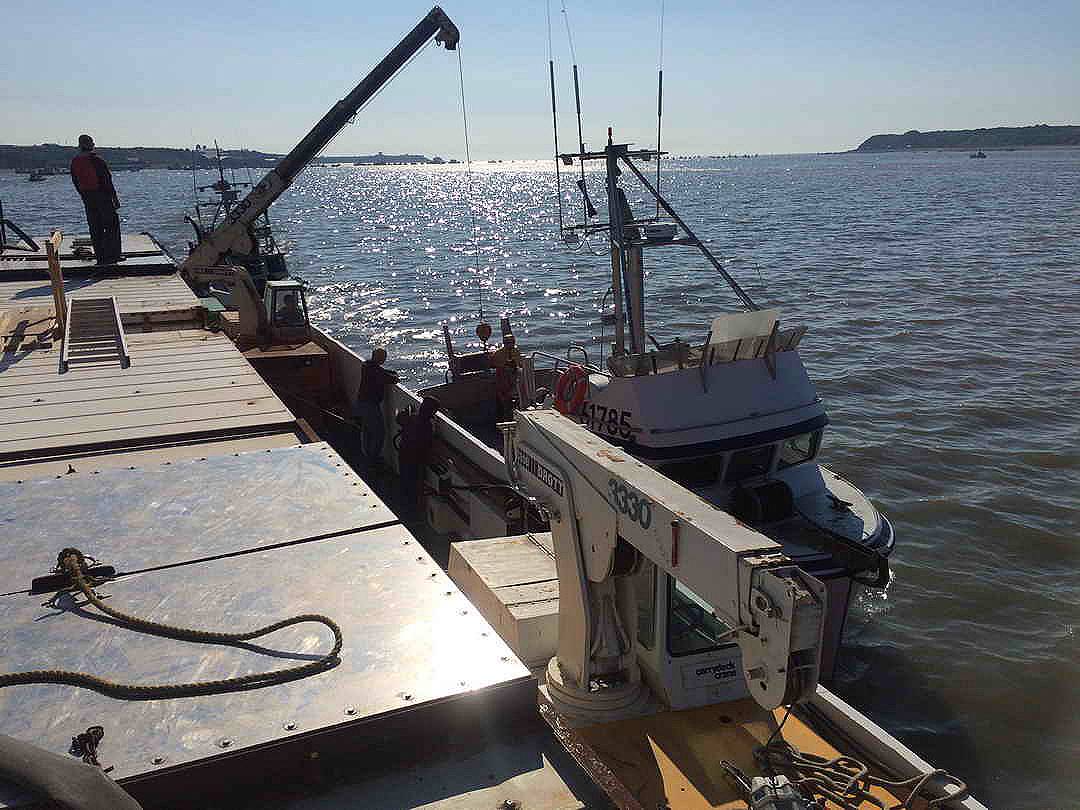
(744,77)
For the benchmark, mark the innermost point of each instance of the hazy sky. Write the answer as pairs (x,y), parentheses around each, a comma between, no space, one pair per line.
(743,77)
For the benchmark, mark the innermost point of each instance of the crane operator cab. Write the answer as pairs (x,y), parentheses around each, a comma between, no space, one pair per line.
(286,311)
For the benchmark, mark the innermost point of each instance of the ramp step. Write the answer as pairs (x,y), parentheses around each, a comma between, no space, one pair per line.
(94,332)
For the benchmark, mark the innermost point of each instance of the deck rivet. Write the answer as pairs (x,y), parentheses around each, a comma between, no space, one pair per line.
(350,710)
(158,760)
(289,726)
(224,742)
(449,593)
(407,696)
(464,613)
(504,658)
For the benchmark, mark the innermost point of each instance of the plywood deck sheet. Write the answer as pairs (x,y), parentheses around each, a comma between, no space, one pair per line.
(412,642)
(137,295)
(141,251)
(168,513)
(179,382)
(514,584)
(672,758)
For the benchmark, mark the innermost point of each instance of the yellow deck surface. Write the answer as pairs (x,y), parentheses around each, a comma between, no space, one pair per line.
(674,757)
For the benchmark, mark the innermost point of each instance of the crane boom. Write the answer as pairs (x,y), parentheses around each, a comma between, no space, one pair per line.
(233,234)
(609,511)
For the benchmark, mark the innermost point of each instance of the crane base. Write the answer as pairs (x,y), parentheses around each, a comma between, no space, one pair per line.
(582,707)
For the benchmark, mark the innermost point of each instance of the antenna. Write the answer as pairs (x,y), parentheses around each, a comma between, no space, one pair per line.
(659,104)
(554,119)
(586,203)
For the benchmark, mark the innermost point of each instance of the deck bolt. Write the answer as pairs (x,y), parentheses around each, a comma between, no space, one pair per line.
(350,710)
(407,696)
(224,742)
(289,726)
(158,760)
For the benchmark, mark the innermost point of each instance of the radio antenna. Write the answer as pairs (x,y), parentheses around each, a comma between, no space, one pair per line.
(554,119)
(587,206)
(659,104)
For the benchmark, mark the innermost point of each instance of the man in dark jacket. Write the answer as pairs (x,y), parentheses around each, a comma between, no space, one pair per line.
(369,399)
(91,178)
(417,437)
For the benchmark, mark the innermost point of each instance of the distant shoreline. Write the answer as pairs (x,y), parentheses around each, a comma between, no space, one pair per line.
(55,158)
(1041,136)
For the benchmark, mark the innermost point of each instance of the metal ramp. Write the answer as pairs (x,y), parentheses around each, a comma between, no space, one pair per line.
(93,333)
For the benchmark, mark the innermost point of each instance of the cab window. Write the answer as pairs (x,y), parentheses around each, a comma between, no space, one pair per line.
(695,472)
(289,308)
(748,463)
(692,625)
(798,449)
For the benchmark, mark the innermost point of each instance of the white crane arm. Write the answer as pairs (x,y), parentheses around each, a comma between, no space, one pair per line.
(601,500)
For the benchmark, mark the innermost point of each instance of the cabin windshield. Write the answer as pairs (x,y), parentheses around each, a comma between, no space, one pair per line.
(748,463)
(798,449)
(695,472)
(692,625)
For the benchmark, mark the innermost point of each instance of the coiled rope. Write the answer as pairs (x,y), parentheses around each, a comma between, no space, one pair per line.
(74,563)
(846,782)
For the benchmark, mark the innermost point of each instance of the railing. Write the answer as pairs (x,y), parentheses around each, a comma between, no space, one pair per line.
(560,361)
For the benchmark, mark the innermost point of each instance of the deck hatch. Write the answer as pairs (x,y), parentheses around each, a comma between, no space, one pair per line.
(412,642)
(164,514)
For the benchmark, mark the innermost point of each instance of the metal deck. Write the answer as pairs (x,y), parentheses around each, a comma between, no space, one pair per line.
(231,542)
(179,383)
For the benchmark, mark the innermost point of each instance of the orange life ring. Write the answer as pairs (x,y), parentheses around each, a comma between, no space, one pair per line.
(570,390)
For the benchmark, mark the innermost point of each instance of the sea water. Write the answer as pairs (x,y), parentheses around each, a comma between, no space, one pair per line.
(942,297)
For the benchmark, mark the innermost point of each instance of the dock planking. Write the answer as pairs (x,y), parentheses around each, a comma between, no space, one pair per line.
(179,382)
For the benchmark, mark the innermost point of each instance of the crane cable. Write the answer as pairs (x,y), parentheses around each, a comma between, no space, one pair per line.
(75,565)
(469,189)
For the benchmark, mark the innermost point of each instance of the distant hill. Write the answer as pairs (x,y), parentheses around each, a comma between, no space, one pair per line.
(993,138)
(55,156)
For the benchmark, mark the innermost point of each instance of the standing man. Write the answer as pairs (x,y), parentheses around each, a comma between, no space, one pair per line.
(507,363)
(92,180)
(369,398)
(417,437)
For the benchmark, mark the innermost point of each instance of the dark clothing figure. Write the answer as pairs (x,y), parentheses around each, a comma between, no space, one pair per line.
(92,179)
(507,364)
(290,314)
(417,437)
(369,398)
